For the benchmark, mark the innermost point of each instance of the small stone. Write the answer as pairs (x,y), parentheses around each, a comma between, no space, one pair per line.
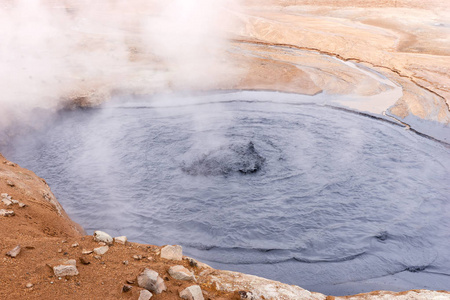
(7,202)
(6,213)
(75,245)
(8,163)
(174,252)
(192,293)
(65,270)
(14,201)
(10,183)
(126,288)
(130,281)
(125,262)
(84,261)
(4,195)
(181,273)
(151,281)
(101,250)
(97,257)
(60,250)
(22,205)
(29,285)
(120,240)
(145,295)
(14,252)
(137,257)
(100,236)
(102,243)
(84,251)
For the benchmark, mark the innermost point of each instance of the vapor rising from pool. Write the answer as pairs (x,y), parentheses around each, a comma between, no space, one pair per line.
(297,192)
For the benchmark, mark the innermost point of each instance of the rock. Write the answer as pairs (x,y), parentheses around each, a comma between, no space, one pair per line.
(125,262)
(84,251)
(100,236)
(65,270)
(151,281)
(22,205)
(137,257)
(14,201)
(101,250)
(130,281)
(181,273)
(29,285)
(174,252)
(126,288)
(14,252)
(4,195)
(145,295)
(192,293)
(7,202)
(102,243)
(6,213)
(84,261)
(75,245)
(120,240)
(10,183)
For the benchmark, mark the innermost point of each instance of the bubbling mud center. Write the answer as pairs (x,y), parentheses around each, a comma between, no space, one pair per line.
(283,186)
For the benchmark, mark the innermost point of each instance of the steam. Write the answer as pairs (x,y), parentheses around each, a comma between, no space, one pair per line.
(57,52)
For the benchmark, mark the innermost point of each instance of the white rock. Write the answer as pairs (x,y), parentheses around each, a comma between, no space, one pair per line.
(75,245)
(192,293)
(6,213)
(65,270)
(120,240)
(145,295)
(84,251)
(29,285)
(150,280)
(14,201)
(7,202)
(174,252)
(4,195)
(101,250)
(21,205)
(14,252)
(181,273)
(100,236)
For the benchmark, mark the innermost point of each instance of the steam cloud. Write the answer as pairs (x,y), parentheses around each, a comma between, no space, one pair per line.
(55,52)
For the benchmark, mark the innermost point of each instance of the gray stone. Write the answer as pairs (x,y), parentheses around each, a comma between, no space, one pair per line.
(65,270)
(174,252)
(151,281)
(120,240)
(14,252)
(192,293)
(181,273)
(100,236)
(145,295)
(101,250)
(6,213)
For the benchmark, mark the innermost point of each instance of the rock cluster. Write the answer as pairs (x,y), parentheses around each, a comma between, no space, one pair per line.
(9,202)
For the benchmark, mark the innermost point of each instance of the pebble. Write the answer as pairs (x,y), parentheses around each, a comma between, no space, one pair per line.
(137,257)
(181,273)
(22,205)
(126,288)
(101,250)
(145,295)
(192,293)
(75,245)
(14,252)
(120,240)
(151,281)
(14,201)
(29,285)
(4,195)
(100,236)
(84,261)
(10,183)
(125,262)
(174,252)
(84,251)
(6,213)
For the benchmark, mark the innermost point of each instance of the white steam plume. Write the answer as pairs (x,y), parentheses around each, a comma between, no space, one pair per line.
(52,52)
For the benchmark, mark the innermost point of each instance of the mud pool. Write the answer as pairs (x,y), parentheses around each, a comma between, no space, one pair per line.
(263,183)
